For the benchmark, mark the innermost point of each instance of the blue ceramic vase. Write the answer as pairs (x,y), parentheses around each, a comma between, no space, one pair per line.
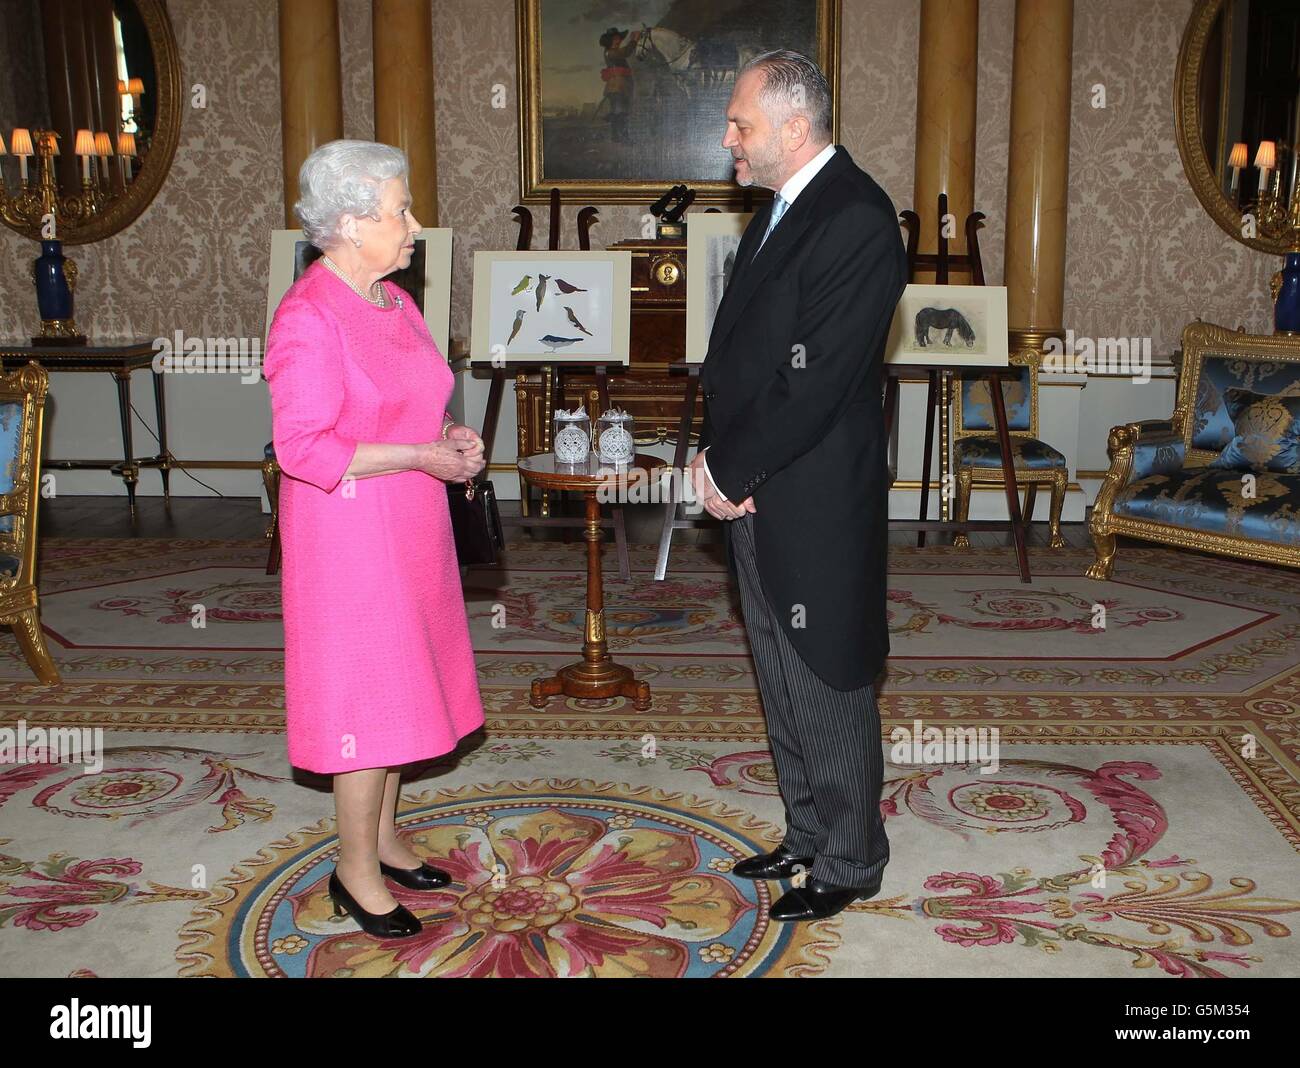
(1286,312)
(53,294)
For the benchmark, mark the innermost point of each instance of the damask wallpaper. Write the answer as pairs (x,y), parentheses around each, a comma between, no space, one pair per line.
(1144,258)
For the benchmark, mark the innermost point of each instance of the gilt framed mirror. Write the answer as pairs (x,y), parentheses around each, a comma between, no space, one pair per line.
(1237,115)
(90,114)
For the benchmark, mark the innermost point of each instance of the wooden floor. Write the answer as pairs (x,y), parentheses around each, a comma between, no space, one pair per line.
(242,517)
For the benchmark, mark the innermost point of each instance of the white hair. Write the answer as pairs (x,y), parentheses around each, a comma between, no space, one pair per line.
(793,85)
(343,178)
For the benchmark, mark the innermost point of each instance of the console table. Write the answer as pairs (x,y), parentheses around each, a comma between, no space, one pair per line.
(119,361)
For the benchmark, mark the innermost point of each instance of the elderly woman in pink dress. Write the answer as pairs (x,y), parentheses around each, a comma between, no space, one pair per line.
(379,671)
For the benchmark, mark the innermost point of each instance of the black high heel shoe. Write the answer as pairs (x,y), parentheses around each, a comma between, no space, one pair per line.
(400,923)
(425,877)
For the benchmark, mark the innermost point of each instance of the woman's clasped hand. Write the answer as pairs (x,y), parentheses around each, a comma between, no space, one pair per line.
(456,458)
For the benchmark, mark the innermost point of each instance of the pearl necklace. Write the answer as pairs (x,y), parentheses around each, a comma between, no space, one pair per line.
(380,302)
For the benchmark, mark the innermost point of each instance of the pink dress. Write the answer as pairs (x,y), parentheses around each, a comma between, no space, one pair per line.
(378,668)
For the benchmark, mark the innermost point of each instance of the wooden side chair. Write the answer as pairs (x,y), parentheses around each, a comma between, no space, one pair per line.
(977,456)
(22,413)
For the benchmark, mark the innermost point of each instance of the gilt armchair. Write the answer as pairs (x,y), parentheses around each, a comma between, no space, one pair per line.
(22,411)
(977,454)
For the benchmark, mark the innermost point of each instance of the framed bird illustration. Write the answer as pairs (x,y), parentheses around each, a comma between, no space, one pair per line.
(551,307)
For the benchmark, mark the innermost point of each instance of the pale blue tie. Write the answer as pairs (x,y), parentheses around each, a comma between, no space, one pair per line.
(778,209)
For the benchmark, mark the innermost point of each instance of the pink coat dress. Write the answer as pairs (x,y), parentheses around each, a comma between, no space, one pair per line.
(378,667)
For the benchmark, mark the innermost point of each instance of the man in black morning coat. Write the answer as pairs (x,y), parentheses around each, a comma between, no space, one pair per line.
(792,457)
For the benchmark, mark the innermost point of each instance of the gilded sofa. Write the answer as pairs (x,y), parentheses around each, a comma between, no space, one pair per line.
(1185,481)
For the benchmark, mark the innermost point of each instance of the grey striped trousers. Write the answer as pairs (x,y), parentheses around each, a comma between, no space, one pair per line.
(826,744)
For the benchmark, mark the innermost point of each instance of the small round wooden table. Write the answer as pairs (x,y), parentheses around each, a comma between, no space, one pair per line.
(595,675)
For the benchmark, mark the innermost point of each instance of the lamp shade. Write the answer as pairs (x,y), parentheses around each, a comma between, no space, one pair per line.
(126,144)
(3,150)
(1240,155)
(21,140)
(121,86)
(103,144)
(1266,157)
(135,85)
(85,143)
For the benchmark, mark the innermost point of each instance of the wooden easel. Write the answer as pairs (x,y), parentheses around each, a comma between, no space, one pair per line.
(554,387)
(939,382)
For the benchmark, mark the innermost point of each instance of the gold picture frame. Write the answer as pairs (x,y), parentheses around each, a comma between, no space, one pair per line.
(695,85)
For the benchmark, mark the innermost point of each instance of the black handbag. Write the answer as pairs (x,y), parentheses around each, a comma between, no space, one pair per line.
(475,521)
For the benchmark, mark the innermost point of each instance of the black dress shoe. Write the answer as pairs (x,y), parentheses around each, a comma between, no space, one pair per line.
(816,900)
(400,923)
(425,877)
(778,864)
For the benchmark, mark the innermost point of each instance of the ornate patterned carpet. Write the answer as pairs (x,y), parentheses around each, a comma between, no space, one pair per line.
(1144,818)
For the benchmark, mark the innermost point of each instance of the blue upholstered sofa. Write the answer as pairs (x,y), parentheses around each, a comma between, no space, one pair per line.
(1222,474)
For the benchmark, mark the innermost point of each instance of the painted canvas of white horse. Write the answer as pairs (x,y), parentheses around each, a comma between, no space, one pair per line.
(705,62)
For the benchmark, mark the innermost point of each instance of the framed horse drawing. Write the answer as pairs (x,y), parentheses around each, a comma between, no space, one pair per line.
(956,325)
(616,114)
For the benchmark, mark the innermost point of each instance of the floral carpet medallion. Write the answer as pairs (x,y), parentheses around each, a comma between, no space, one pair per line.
(549,879)
(1144,818)
(1071,858)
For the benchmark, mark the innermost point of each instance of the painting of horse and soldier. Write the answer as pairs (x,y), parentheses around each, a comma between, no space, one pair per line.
(621,100)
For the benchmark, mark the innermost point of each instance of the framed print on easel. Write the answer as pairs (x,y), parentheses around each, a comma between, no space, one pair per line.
(960,326)
(712,238)
(551,307)
(427,279)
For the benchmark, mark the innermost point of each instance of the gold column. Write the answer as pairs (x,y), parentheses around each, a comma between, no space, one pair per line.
(311,91)
(945,117)
(404,111)
(1038,170)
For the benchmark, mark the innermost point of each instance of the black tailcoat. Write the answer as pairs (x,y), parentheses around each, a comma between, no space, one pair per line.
(793,414)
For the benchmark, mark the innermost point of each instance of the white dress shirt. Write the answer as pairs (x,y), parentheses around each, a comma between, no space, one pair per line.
(788,192)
